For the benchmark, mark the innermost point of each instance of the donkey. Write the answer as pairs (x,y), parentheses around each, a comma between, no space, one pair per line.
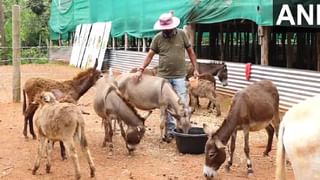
(299,138)
(213,69)
(205,89)
(153,92)
(252,109)
(60,122)
(74,88)
(109,104)
(208,71)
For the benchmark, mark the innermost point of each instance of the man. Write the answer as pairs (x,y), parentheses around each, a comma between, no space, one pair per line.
(170,44)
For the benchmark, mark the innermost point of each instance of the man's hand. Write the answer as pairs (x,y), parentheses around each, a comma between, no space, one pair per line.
(195,73)
(137,76)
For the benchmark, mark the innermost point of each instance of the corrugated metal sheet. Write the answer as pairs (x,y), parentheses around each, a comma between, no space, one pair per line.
(293,85)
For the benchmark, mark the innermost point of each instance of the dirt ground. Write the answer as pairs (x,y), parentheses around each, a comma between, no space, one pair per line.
(151,160)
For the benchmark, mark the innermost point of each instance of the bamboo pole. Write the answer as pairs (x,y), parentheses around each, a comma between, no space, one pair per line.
(16,87)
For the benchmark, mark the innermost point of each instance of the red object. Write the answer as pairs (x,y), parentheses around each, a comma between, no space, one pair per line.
(248,71)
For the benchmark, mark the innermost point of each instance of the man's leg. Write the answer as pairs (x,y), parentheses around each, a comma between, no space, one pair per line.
(179,85)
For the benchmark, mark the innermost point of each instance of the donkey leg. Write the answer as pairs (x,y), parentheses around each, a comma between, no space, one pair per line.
(163,127)
(62,151)
(193,102)
(69,144)
(270,132)
(86,151)
(247,151)
(216,104)
(25,127)
(232,147)
(31,126)
(49,150)
(110,134)
(42,143)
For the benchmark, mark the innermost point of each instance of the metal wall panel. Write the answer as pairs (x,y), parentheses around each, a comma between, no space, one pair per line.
(293,85)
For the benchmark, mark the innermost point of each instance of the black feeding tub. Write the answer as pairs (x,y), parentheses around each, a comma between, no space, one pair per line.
(191,143)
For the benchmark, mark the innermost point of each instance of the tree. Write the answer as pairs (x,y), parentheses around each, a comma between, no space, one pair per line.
(3,43)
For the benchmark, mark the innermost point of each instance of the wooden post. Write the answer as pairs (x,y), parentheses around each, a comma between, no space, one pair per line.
(144,46)
(113,43)
(125,41)
(221,42)
(318,51)
(16,88)
(139,44)
(265,38)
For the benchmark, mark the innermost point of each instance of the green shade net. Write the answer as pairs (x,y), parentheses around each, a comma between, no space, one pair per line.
(137,17)
(214,11)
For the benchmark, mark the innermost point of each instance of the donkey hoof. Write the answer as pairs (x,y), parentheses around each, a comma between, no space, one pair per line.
(34,170)
(48,167)
(92,172)
(250,172)
(64,157)
(78,176)
(227,167)
(265,154)
(34,137)
(104,144)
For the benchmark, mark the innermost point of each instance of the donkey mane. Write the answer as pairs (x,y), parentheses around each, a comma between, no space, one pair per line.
(113,88)
(82,74)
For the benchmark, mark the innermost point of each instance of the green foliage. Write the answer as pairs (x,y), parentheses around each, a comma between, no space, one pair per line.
(33,26)
(37,6)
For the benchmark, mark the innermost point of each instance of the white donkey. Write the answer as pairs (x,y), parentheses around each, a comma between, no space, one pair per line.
(299,138)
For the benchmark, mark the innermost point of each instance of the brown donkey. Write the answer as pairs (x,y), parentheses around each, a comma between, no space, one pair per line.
(252,109)
(60,122)
(110,105)
(73,88)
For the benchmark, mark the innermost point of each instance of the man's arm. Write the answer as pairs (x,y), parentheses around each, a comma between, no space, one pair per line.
(193,59)
(146,62)
(147,59)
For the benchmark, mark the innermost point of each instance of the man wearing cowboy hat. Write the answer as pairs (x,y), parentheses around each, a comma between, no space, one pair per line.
(170,44)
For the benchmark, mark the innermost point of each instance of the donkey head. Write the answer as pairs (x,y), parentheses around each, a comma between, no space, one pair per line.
(223,75)
(215,154)
(45,97)
(134,136)
(183,117)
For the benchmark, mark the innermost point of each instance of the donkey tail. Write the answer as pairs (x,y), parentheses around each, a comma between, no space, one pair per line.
(80,134)
(280,159)
(24,106)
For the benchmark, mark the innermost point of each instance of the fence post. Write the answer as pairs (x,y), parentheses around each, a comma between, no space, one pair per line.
(125,41)
(265,33)
(16,53)
(144,46)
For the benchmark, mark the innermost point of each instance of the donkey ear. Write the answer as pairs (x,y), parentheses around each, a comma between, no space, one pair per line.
(95,64)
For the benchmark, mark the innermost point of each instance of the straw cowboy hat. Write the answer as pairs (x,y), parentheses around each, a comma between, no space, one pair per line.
(166,21)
